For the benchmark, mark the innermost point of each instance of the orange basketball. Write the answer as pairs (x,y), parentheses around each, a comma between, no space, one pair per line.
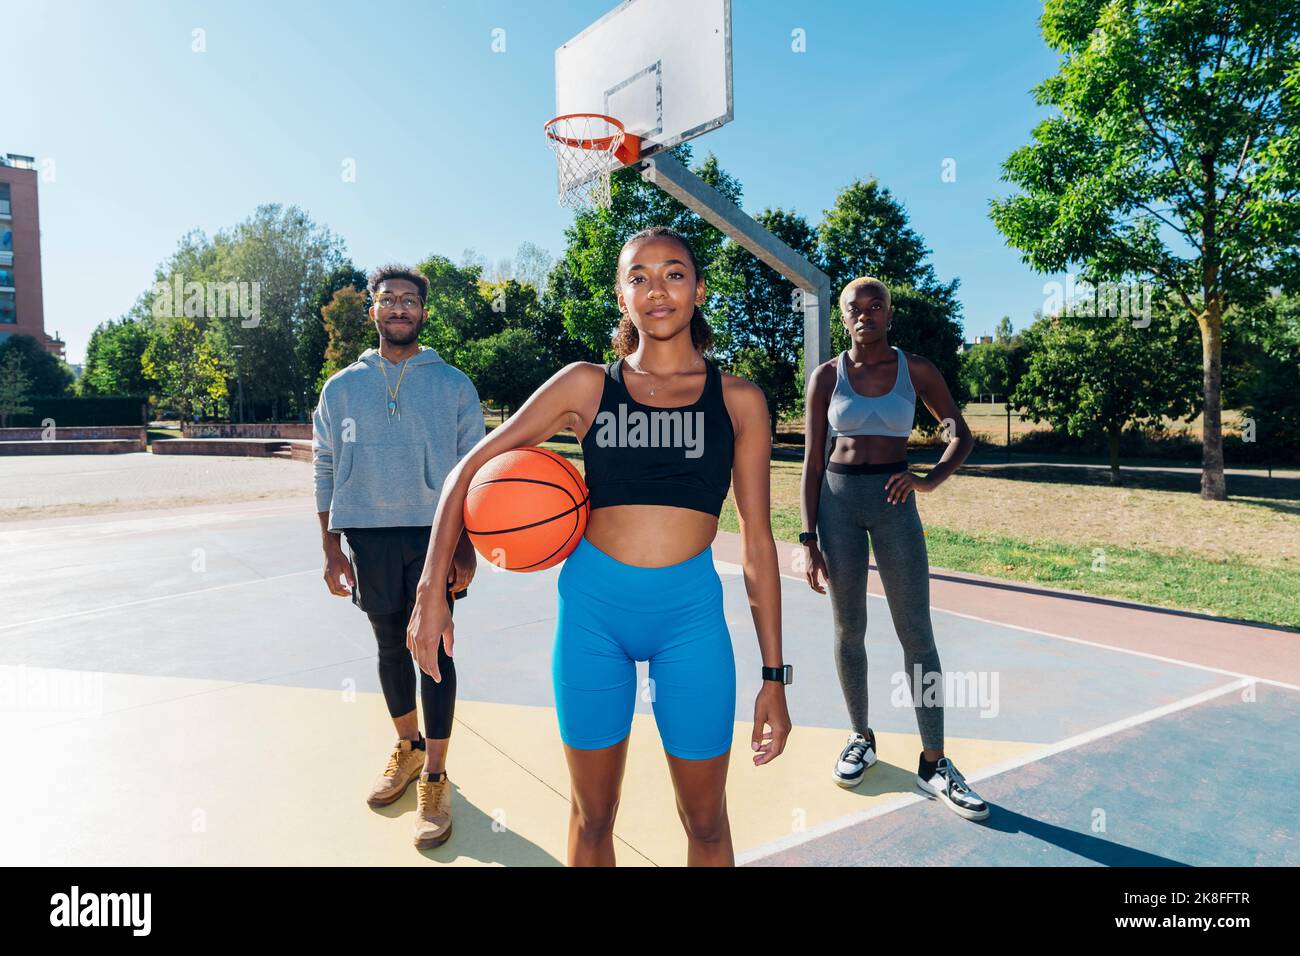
(526,509)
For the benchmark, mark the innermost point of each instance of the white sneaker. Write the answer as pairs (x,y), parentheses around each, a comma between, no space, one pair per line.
(858,754)
(948,785)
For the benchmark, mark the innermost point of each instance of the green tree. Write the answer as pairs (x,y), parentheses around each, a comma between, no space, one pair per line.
(984,371)
(113,356)
(313,338)
(15,386)
(48,375)
(1174,157)
(350,331)
(994,368)
(532,265)
(184,363)
(1266,383)
(514,304)
(594,240)
(289,258)
(1090,375)
(758,318)
(561,348)
(506,367)
(775,378)
(867,233)
(458,312)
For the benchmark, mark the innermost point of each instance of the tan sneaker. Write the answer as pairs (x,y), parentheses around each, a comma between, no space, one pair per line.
(433,811)
(404,765)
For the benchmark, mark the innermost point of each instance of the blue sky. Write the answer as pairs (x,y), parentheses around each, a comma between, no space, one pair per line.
(149,139)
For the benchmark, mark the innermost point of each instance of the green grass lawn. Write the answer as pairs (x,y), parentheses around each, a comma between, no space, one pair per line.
(1184,581)
(1165,576)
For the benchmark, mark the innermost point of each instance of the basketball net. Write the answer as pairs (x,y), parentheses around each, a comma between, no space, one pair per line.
(587,147)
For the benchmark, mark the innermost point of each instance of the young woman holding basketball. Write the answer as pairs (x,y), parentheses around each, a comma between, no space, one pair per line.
(641,583)
(862,501)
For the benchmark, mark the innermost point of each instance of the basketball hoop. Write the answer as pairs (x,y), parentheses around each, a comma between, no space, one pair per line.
(587,147)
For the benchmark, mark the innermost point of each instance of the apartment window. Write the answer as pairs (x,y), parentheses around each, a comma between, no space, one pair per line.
(8,311)
(4,200)
(6,239)
(6,278)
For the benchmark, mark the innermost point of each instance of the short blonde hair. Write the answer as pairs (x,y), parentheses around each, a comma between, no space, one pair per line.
(851,290)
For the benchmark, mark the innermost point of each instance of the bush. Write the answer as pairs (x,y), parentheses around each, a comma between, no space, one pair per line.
(70,412)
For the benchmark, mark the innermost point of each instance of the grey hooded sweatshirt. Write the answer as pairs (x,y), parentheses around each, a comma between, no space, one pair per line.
(376,470)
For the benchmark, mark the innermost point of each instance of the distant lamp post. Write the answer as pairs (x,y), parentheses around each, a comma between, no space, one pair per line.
(240,377)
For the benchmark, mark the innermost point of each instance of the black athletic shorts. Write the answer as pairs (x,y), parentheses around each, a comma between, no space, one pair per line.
(387,564)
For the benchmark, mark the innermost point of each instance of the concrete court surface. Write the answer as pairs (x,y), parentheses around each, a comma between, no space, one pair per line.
(177,687)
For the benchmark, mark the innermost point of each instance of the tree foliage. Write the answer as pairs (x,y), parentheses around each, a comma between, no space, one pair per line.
(1173,156)
(1089,375)
(47,374)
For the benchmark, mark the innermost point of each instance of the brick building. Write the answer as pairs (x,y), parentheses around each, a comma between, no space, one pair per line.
(22,306)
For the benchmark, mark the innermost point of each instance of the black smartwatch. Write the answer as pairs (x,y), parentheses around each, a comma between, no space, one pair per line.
(807,536)
(783,674)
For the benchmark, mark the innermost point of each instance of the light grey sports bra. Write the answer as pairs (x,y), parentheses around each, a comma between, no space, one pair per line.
(891,414)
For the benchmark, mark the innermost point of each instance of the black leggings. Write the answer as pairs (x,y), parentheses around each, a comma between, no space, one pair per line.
(397,676)
(387,564)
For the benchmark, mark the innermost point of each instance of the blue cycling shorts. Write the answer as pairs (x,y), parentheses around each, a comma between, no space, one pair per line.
(613,614)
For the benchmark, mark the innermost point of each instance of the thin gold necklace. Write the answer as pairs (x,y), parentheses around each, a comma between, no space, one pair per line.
(392,392)
(651,374)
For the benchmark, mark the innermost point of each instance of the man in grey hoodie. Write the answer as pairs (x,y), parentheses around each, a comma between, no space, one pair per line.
(385,434)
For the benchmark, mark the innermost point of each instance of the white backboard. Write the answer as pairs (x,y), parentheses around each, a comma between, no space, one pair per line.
(661,67)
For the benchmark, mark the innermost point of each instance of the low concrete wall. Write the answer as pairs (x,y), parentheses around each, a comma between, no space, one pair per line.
(253,430)
(77,433)
(108,446)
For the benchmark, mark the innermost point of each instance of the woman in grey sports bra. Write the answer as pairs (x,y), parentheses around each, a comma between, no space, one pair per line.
(862,500)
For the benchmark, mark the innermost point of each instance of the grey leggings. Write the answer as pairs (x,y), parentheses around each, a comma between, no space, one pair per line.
(852,506)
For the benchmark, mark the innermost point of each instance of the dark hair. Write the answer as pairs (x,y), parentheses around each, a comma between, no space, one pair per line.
(383,273)
(626,337)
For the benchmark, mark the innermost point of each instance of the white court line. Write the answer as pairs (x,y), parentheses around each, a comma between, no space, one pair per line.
(1069,743)
(1087,643)
(160,597)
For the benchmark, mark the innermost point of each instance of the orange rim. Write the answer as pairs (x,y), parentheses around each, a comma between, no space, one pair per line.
(627,146)
(597,142)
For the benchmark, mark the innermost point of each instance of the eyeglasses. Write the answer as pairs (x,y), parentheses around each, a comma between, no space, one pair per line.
(391,301)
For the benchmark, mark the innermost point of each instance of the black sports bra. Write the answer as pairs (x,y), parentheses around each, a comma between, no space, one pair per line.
(637,454)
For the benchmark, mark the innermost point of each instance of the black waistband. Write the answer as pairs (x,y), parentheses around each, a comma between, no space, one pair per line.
(867,468)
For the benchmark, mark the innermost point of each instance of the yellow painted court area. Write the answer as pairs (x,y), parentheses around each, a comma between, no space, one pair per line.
(178,771)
